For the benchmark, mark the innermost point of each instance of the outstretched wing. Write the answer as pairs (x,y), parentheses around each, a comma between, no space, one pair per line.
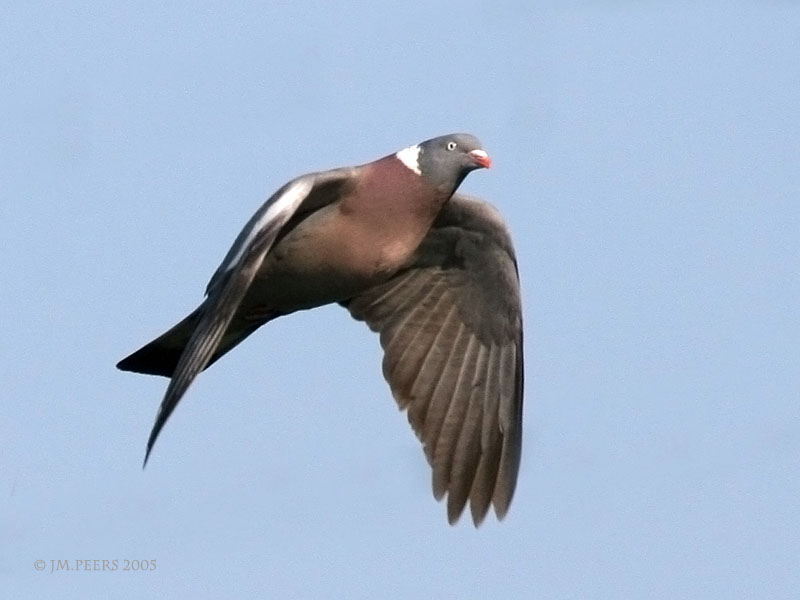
(450,324)
(230,282)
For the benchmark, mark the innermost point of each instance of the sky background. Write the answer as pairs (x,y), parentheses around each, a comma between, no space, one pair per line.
(646,159)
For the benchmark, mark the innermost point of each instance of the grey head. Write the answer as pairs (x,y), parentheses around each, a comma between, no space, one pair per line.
(446,160)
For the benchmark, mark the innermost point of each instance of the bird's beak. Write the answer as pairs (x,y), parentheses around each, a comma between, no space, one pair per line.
(480,158)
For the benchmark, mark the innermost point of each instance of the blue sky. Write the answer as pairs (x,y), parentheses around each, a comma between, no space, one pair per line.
(646,159)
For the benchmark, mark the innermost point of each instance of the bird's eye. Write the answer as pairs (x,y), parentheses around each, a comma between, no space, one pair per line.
(451,145)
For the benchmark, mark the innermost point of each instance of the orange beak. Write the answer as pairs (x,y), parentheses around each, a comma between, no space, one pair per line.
(481,158)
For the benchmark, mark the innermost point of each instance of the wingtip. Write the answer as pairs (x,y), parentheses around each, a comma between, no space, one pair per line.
(501,510)
(452,519)
(151,441)
(478,515)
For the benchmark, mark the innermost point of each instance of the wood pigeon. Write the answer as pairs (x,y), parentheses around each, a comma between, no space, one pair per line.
(433,272)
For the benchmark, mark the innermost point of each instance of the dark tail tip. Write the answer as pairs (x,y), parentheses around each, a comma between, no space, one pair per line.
(151,360)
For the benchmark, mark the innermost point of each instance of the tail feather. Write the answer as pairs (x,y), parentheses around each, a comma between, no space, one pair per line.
(160,357)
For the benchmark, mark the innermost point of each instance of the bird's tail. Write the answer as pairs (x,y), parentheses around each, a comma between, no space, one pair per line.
(160,357)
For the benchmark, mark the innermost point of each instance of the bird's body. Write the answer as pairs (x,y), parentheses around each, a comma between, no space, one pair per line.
(388,242)
(361,237)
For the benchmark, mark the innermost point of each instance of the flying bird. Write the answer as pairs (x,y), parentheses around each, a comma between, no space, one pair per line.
(433,272)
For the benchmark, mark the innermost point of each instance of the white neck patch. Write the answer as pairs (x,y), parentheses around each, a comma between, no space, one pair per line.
(410,158)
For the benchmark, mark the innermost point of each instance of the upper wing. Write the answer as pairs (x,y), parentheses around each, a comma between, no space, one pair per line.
(450,325)
(230,282)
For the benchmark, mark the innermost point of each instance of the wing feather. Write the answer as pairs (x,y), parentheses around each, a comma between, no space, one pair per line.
(450,325)
(445,443)
(230,282)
